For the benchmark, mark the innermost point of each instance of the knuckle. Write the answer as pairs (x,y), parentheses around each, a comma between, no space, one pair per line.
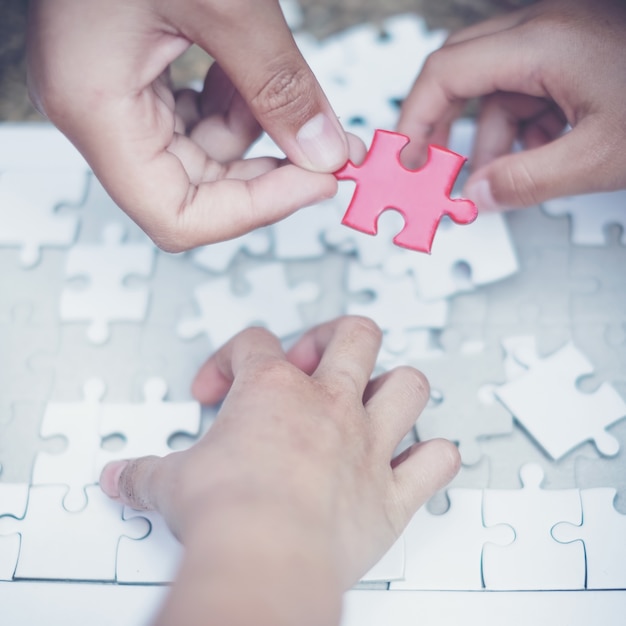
(288,92)
(362,325)
(414,382)
(523,186)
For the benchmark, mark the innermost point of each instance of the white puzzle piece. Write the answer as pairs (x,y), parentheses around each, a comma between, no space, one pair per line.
(217,257)
(29,203)
(58,545)
(107,299)
(534,560)
(75,467)
(13,501)
(444,551)
(591,214)
(546,401)
(603,531)
(155,559)
(148,426)
(271,302)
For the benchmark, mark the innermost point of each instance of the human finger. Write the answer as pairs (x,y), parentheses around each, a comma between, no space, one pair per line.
(394,402)
(255,47)
(216,375)
(572,164)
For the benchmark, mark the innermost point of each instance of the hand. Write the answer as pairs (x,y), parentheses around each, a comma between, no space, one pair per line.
(293,494)
(173,162)
(552,64)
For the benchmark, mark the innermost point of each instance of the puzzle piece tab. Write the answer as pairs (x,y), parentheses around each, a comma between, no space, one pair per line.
(421,196)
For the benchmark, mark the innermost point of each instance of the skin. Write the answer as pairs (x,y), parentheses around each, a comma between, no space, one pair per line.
(174,161)
(307,485)
(554,64)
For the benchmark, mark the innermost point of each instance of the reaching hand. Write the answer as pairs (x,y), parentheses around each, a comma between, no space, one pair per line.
(295,485)
(173,161)
(553,64)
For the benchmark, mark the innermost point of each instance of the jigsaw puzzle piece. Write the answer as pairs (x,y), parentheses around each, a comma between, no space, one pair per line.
(75,467)
(59,545)
(271,302)
(444,551)
(421,196)
(461,259)
(590,215)
(29,202)
(546,401)
(13,502)
(106,299)
(218,257)
(153,560)
(146,427)
(602,532)
(534,560)
(395,306)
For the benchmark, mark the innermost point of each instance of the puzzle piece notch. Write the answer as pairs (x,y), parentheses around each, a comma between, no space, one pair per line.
(534,561)
(602,532)
(421,196)
(13,502)
(546,401)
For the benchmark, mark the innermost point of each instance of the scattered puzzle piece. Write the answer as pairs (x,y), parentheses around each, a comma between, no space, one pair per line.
(106,299)
(422,196)
(546,401)
(603,530)
(534,560)
(217,257)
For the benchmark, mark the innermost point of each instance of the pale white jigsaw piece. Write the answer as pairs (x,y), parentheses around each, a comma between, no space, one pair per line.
(591,214)
(602,531)
(107,299)
(484,246)
(271,303)
(58,545)
(217,257)
(444,551)
(148,426)
(557,415)
(153,560)
(13,502)
(76,465)
(396,308)
(534,560)
(29,202)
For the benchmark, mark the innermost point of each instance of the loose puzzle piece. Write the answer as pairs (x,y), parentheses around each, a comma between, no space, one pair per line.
(217,257)
(466,411)
(13,501)
(444,551)
(29,203)
(154,559)
(534,560)
(422,196)
(396,308)
(484,246)
(146,427)
(271,302)
(107,299)
(76,465)
(58,545)
(546,401)
(591,214)
(602,531)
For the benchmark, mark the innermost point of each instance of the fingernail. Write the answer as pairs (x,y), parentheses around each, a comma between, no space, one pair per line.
(322,144)
(479,192)
(110,478)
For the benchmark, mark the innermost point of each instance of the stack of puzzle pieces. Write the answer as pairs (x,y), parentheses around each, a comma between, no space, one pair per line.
(517,320)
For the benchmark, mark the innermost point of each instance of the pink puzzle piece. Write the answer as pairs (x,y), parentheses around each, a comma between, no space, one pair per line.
(421,196)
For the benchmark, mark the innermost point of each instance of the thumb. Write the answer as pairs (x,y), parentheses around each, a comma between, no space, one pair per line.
(253,44)
(569,165)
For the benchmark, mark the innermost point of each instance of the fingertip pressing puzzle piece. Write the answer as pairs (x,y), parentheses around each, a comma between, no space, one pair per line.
(421,196)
